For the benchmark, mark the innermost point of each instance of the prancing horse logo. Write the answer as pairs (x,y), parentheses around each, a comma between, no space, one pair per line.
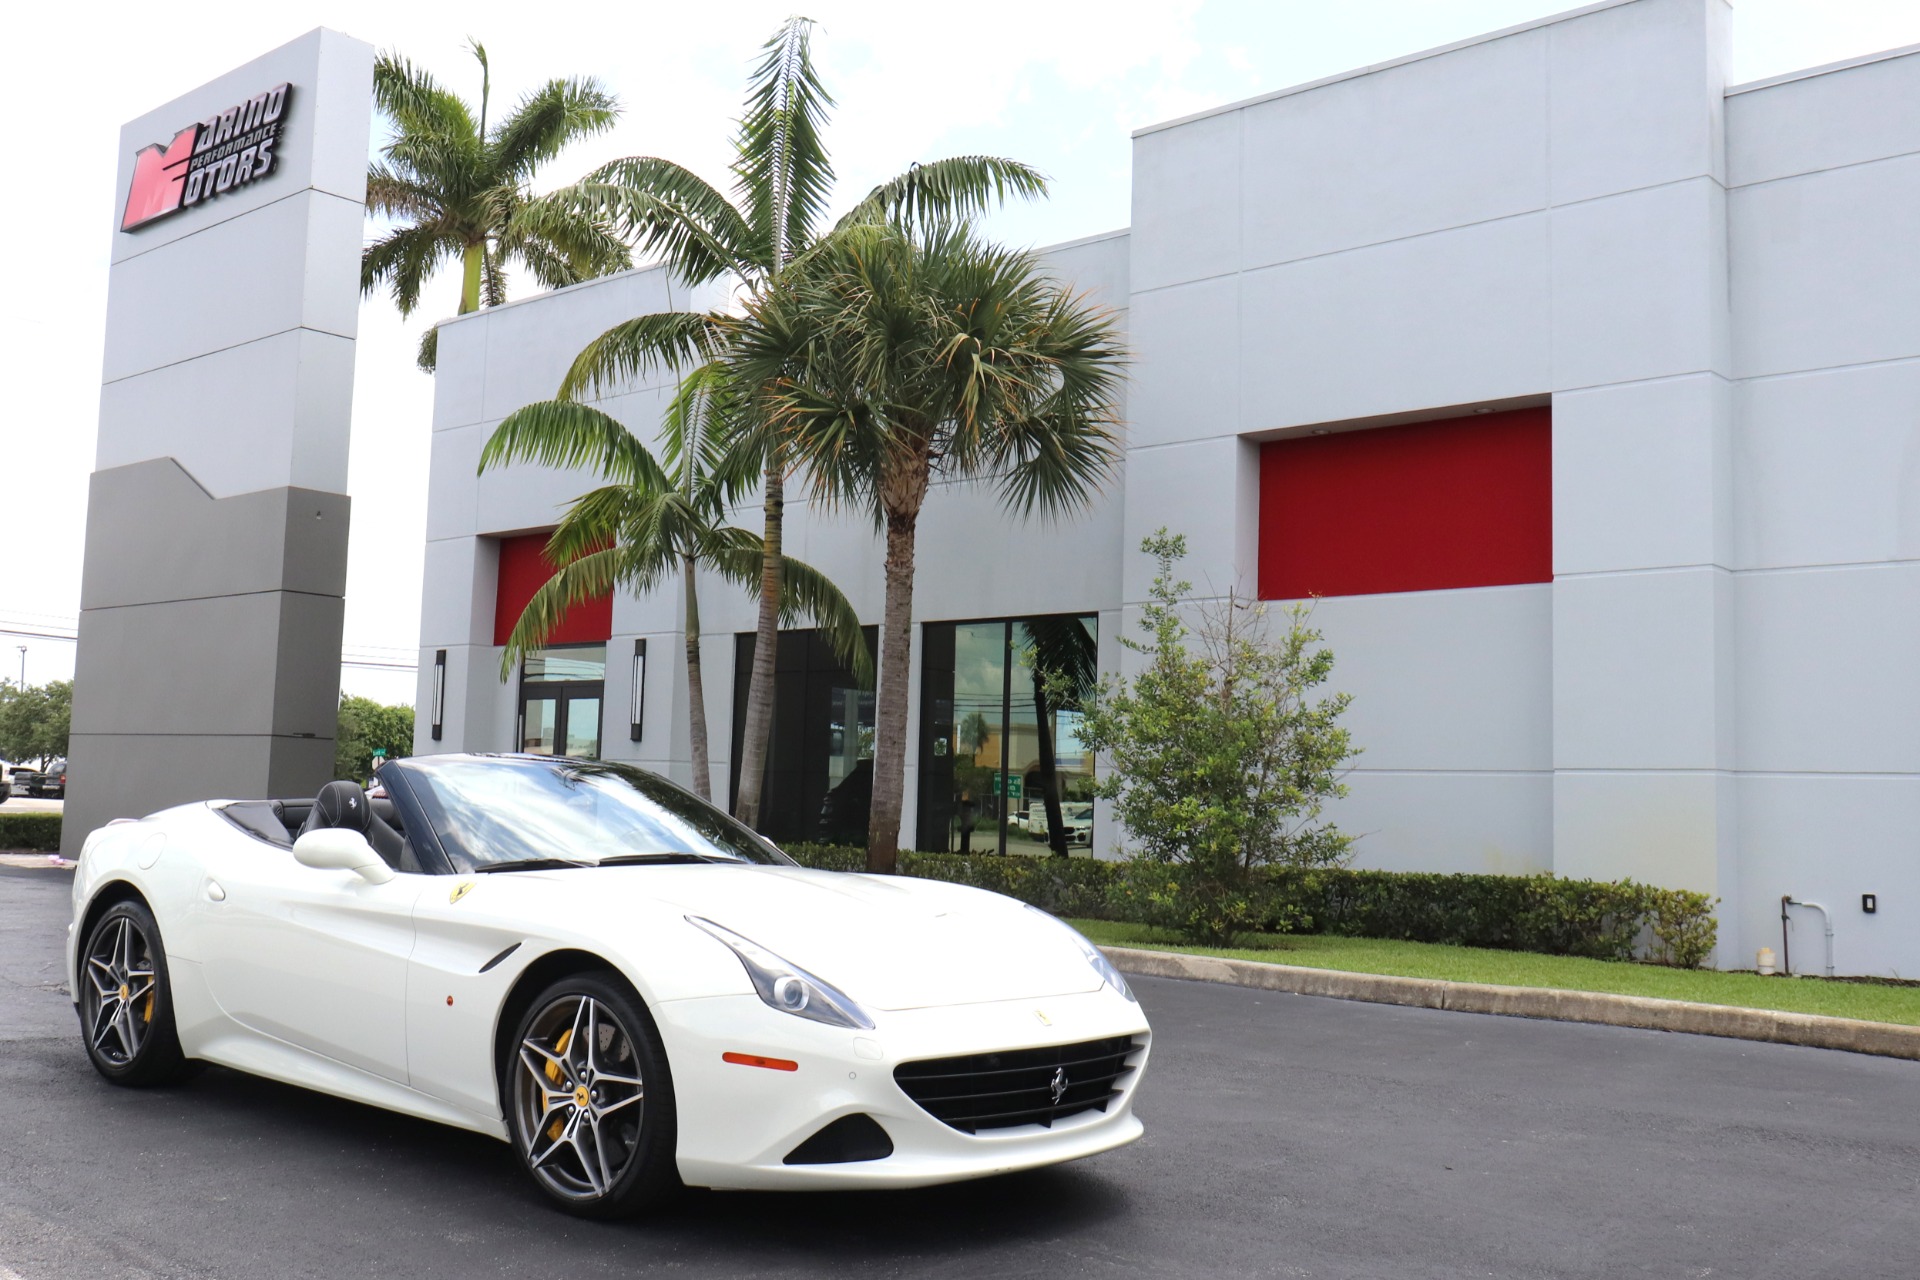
(1059,1086)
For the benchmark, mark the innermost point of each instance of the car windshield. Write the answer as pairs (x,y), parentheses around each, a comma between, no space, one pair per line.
(492,811)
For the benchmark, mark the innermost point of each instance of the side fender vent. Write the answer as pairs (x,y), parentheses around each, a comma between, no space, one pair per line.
(845,1141)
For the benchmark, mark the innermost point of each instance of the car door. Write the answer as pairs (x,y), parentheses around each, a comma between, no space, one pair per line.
(315,958)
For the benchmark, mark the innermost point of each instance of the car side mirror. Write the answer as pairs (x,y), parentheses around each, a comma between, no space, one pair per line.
(337,849)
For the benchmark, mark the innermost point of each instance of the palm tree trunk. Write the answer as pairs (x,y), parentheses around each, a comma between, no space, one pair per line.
(1049,773)
(759,718)
(475,261)
(890,713)
(696,690)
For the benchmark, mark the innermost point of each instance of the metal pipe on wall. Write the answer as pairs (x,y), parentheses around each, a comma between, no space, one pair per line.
(1826,918)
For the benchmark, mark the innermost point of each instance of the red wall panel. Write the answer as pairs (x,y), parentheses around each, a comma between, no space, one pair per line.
(524,569)
(1464,502)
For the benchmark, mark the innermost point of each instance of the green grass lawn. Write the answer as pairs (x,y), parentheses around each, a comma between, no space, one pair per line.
(1873,1002)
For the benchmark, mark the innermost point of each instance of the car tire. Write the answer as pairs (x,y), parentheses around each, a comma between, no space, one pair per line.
(589,1101)
(126,1000)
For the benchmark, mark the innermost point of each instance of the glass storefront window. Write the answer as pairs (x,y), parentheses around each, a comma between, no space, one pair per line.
(1001,764)
(819,778)
(569,662)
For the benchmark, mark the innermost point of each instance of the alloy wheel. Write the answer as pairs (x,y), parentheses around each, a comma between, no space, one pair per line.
(579,1097)
(122,986)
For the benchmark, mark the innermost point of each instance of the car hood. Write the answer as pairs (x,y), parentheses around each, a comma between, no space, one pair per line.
(889,942)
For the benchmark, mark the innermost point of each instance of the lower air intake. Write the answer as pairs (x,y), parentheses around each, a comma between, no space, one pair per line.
(1018,1086)
(846,1141)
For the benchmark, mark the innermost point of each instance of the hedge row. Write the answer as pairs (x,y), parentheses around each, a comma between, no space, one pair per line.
(29,832)
(1542,913)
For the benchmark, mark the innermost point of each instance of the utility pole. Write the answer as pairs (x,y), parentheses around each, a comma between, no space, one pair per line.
(23,667)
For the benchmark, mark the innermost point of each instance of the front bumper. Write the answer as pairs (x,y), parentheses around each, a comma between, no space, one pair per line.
(737,1123)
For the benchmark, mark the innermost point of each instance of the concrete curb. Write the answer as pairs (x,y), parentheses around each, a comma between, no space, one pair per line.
(1853,1035)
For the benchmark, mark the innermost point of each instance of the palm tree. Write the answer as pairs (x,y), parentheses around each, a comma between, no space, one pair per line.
(782,181)
(899,357)
(652,519)
(460,190)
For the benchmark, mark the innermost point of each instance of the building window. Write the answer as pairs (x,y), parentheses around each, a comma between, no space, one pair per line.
(1001,765)
(562,689)
(819,779)
(1462,502)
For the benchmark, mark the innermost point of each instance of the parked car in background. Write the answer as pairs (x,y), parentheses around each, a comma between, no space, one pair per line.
(50,784)
(1076,814)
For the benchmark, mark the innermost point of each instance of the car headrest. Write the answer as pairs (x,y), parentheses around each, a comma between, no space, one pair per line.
(341,804)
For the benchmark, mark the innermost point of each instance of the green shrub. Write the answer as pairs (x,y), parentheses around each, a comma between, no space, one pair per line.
(1223,753)
(29,832)
(1683,924)
(1539,913)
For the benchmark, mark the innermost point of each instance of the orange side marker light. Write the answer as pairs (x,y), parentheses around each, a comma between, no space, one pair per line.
(755,1060)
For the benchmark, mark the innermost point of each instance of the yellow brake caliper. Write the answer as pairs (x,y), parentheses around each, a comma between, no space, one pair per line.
(553,1074)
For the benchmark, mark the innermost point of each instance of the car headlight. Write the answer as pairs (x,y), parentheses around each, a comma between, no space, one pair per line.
(1095,957)
(788,987)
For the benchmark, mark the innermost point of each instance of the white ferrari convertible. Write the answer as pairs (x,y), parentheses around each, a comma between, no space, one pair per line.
(630,988)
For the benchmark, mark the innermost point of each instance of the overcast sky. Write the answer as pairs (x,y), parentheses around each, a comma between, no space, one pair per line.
(1058,84)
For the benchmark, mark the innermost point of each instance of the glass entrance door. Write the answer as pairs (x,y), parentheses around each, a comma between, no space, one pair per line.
(561,691)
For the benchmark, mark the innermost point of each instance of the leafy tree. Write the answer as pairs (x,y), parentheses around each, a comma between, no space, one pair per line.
(462,190)
(1222,758)
(364,725)
(35,722)
(897,356)
(782,180)
(653,520)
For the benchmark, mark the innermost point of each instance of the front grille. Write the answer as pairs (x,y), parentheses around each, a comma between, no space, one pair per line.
(999,1090)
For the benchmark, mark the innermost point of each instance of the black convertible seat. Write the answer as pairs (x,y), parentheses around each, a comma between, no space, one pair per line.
(344,805)
(277,822)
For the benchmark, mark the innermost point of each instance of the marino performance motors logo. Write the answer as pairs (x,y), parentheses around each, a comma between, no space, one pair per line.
(222,153)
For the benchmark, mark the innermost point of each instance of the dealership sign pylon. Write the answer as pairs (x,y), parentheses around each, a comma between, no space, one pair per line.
(215,573)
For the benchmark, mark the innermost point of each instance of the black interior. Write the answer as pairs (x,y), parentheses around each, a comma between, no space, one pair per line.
(339,804)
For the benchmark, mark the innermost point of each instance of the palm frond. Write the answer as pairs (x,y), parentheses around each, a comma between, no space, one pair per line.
(391,195)
(673,213)
(416,102)
(547,120)
(588,578)
(806,594)
(427,359)
(575,243)
(782,166)
(635,348)
(958,187)
(404,258)
(571,436)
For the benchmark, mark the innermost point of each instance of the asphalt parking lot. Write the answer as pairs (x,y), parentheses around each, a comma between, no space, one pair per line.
(1287,1136)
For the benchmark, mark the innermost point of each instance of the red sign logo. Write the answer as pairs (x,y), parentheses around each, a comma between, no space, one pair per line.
(222,153)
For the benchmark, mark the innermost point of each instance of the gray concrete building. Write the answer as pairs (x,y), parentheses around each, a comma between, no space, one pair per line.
(1582,388)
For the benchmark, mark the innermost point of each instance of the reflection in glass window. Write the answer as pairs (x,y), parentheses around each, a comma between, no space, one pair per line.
(1002,767)
(571,662)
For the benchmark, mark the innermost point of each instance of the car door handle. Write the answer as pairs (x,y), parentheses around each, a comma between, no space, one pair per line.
(214,892)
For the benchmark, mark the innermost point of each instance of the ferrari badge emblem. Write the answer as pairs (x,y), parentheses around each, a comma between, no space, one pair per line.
(460,891)
(1045,1021)
(1059,1086)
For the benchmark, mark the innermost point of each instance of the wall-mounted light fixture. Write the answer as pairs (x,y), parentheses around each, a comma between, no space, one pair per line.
(439,691)
(637,695)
